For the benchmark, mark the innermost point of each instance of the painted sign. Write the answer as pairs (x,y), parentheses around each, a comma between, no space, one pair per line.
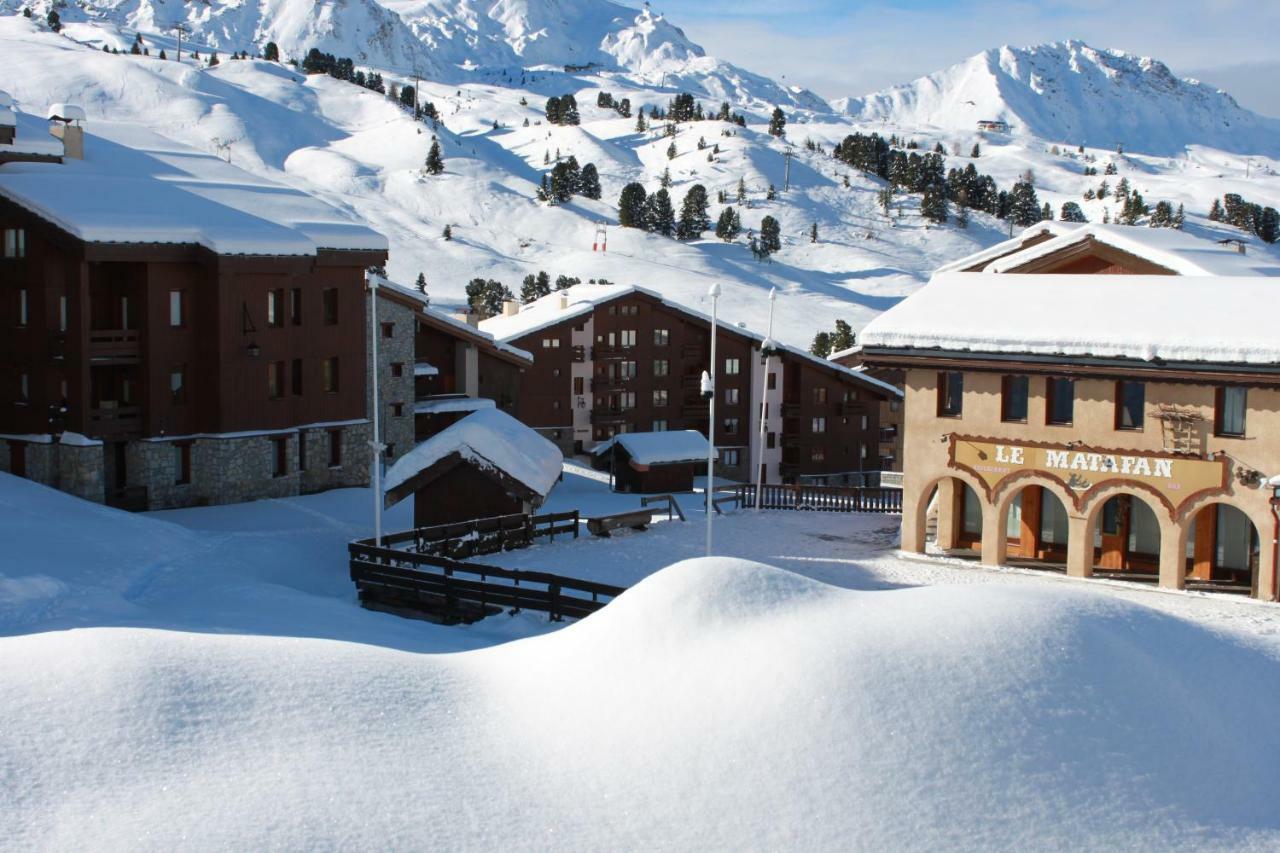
(1081,469)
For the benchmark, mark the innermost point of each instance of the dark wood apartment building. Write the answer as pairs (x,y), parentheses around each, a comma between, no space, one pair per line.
(611,359)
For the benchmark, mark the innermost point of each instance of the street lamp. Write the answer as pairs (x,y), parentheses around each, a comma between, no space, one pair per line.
(767,349)
(375,445)
(709,391)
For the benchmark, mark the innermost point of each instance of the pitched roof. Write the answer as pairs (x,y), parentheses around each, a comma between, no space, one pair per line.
(413,298)
(1035,233)
(659,448)
(135,186)
(1149,318)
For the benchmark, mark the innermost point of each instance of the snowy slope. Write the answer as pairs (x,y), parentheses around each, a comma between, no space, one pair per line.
(1072,93)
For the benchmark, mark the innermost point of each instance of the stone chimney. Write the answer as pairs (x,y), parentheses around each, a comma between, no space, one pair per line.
(65,124)
(510,308)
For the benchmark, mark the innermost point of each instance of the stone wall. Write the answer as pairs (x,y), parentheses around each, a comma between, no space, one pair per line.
(78,468)
(397,429)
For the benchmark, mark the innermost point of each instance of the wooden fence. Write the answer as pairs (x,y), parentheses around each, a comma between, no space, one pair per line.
(819,498)
(484,535)
(453,591)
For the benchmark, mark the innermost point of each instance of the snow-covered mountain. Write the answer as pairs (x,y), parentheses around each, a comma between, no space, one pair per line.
(1072,93)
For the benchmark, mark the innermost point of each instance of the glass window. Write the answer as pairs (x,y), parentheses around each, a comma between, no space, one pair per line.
(1232,402)
(628,337)
(627,370)
(819,425)
(1060,398)
(176,301)
(295,306)
(302,451)
(388,330)
(181,464)
(15,243)
(1013,399)
(24,388)
(330,382)
(660,397)
(950,394)
(820,394)
(23,307)
(1131,398)
(627,399)
(732,366)
(275,380)
(275,308)
(731,426)
(818,454)
(660,425)
(335,448)
(661,337)
(178,384)
(730,457)
(330,298)
(62,313)
(731,396)
(661,367)
(295,381)
(280,465)
(773,381)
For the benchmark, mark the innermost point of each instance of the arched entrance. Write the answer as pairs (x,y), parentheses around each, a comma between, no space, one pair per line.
(1035,527)
(1126,538)
(1223,550)
(949,517)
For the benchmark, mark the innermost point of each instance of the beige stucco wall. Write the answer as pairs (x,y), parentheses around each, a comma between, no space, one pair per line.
(926,461)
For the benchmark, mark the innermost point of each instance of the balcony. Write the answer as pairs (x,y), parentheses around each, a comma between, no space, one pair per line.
(579,354)
(610,415)
(111,420)
(691,381)
(114,346)
(791,410)
(888,433)
(851,407)
(692,350)
(602,384)
(605,353)
(694,411)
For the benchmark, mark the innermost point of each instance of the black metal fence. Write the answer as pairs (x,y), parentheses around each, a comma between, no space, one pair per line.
(818,498)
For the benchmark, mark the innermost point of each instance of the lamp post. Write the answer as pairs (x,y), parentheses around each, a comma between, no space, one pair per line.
(766,352)
(375,443)
(709,391)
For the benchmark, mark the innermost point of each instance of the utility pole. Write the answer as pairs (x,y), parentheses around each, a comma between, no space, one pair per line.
(180,28)
(709,391)
(375,444)
(416,85)
(766,352)
(786,176)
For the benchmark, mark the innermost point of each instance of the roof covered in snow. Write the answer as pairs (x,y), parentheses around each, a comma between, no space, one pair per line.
(1185,319)
(491,440)
(659,448)
(583,299)
(31,136)
(1050,228)
(446,404)
(135,186)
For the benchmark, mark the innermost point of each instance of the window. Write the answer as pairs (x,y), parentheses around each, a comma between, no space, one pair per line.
(388,330)
(275,380)
(579,385)
(629,310)
(15,243)
(732,366)
(819,425)
(773,381)
(280,456)
(335,448)
(1060,398)
(397,409)
(731,396)
(950,394)
(177,306)
(627,370)
(661,337)
(628,337)
(295,306)
(178,384)
(397,369)
(1131,399)
(660,398)
(62,313)
(24,308)
(730,457)
(627,400)
(771,440)
(660,425)
(555,405)
(330,297)
(330,372)
(24,388)
(1013,399)
(551,343)
(302,451)
(182,464)
(730,426)
(1229,411)
(820,394)
(275,308)
(864,422)
(661,367)
(296,378)
(818,454)
(894,405)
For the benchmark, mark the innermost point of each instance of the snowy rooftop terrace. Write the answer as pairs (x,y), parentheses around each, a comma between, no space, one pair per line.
(135,186)
(1147,318)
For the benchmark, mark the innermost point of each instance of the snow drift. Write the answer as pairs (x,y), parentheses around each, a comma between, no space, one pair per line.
(719,704)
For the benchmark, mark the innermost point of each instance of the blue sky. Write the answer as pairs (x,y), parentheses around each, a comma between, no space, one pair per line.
(855,47)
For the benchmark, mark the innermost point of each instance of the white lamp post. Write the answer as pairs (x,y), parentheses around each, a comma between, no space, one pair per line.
(375,443)
(709,390)
(766,352)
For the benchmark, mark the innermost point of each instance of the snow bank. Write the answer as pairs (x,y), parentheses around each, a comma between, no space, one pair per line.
(1139,317)
(717,705)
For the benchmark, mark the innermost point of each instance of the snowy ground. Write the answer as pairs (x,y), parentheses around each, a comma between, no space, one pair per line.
(204,679)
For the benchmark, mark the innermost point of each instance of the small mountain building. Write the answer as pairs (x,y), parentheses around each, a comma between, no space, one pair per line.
(653,462)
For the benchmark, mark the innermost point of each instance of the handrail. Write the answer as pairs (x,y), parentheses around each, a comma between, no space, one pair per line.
(673,506)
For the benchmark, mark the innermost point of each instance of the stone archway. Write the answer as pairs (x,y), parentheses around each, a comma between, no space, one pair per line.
(946,497)
(1034,517)
(1224,546)
(1130,533)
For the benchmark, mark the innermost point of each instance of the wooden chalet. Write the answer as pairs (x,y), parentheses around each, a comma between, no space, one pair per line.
(653,462)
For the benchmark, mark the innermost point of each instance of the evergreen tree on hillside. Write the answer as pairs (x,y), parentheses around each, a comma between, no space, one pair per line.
(1269,225)
(1024,207)
(553,110)
(1071,212)
(976,152)
(631,206)
(1134,209)
(671,151)
(535,287)
(54,20)
(694,219)
(407,96)
(770,236)
(1162,216)
(589,182)
(742,190)
(729,225)
(665,180)
(162,54)
(435,161)
(821,346)
(659,215)
(1179,217)
(271,52)
(447,233)
(485,298)
(421,283)
(843,338)
(213,59)
(778,122)
(1046,213)
(564,282)
(569,111)
(933,206)
(640,125)
(813,233)
(1215,211)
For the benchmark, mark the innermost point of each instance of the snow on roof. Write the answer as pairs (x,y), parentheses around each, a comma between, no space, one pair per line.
(422,368)
(1179,251)
(582,299)
(135,186)
(1051,227)
(489,438)
(66,112)
(6,100)
(660,448)
(8,118)
(1192,318)
(31,136)
(451,403)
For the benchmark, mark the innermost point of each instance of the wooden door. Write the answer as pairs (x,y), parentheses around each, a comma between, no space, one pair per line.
(1115,533)
(18,458)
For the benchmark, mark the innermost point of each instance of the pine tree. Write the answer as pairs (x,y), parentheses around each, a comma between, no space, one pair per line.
(1162,216)
(631,206)
(659,215)
(1024,207)
(671,151)
(535,287)
(694,219)
(485,298)
(640,125)
(213,59)
(421,283)
(742,190)
(843,338)
(962,217)
(162,54)
(271,53)
(569,111)
(1268,228)
(778,122)
(933,206)
(54,20)
(821,346)
(447,233)
(1179,218)
(976,152)
(1215,211)
(770,236)
(589,182)
(1046,213)
(771,194)
(729,225)
(553,110)
(435,162)
(1071,212)
(813,233)
(564,282)
(665,180)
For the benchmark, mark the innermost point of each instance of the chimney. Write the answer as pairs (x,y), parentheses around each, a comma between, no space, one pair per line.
(8,119)
(510,308)
(564,301)
(1240,247)
(64,123)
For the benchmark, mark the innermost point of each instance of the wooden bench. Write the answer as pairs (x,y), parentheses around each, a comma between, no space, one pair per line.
(639,519)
